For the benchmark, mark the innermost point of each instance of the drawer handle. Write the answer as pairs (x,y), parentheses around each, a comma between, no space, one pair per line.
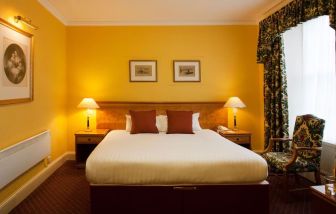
(185,188)
(237,138)
(89,139)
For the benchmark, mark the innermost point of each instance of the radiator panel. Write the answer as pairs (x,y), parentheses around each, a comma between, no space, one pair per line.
(17,159)
(328,158)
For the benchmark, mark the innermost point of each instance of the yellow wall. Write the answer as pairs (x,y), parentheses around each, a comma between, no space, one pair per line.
(97,64)
(48,110)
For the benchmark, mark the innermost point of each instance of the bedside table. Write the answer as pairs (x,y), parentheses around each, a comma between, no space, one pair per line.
(240,137)
(85,143)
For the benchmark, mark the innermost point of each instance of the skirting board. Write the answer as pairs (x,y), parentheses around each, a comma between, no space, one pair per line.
(18,196)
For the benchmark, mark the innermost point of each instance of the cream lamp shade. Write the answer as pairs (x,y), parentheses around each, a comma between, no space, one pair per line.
(89,104)
(235,103)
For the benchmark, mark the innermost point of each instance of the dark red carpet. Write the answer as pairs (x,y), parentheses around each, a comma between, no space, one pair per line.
(67,191)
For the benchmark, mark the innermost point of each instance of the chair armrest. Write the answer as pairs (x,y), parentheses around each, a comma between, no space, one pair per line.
(307,148)
(283,139)
(295,153)
(271,144)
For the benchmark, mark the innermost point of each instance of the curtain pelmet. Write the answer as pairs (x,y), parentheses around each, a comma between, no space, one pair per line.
(289,16)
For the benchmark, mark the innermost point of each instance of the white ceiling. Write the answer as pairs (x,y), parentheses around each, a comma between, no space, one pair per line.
(158,12)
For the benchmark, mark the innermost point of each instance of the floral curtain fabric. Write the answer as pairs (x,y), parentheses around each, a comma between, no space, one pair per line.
(270,53)
(275,94)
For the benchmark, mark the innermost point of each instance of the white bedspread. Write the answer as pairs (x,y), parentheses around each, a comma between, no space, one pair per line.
(172,159)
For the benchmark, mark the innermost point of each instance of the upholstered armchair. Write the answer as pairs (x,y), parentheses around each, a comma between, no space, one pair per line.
(300,154)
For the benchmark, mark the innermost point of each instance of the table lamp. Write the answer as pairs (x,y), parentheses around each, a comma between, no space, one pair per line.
(234,103)
(89,104)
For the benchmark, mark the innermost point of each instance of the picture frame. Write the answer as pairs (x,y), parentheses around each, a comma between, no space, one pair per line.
(187,70)
(143,71)
(16,64)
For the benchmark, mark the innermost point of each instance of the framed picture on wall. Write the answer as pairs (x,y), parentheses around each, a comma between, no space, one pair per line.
(143,71)
(187,71)
(16,64)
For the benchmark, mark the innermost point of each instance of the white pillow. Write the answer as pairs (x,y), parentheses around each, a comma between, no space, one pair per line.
(128,123)
(163,123)
(159,124)
(195,122)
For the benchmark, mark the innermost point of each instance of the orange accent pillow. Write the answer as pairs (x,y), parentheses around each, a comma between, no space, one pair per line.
(179,122)
(143,122)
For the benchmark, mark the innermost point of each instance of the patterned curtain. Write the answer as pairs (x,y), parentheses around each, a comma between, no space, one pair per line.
(275,93)
(270,53)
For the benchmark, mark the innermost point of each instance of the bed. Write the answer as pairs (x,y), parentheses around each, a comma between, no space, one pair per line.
(173,173)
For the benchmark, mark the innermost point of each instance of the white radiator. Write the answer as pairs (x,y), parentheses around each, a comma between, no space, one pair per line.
(20,157)
(328,158)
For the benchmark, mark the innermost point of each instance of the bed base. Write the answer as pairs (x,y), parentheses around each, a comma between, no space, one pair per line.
(205,199)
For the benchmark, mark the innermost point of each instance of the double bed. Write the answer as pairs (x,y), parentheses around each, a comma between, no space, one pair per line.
(173,173)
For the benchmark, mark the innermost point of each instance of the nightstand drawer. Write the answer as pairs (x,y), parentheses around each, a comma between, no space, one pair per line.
(239,139)
(88,139)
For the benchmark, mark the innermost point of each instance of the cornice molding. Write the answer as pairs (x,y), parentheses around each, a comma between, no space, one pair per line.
(68,22)
(55,12)
(273,8)
(159,23)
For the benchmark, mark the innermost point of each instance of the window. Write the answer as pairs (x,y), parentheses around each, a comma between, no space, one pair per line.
(310,66)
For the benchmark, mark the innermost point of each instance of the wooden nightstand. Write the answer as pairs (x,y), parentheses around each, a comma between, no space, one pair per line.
(240,137)
(86,142)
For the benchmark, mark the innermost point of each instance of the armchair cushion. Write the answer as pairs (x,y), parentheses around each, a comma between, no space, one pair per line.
(308,132)
(278,161)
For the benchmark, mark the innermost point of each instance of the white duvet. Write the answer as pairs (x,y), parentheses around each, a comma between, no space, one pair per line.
(172,159)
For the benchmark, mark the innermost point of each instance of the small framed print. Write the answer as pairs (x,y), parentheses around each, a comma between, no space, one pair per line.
(16,64)
(187,71)
(143,71)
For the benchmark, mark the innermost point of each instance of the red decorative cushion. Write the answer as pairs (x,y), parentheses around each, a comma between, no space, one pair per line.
(143,122)
(179,122)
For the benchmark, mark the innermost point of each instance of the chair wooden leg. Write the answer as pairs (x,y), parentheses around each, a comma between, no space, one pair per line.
(317,177)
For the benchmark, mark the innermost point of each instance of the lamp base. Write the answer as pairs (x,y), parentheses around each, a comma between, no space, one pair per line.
(88,123)
(235,128)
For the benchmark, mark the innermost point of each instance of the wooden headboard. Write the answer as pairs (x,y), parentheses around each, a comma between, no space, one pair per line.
(111,115)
